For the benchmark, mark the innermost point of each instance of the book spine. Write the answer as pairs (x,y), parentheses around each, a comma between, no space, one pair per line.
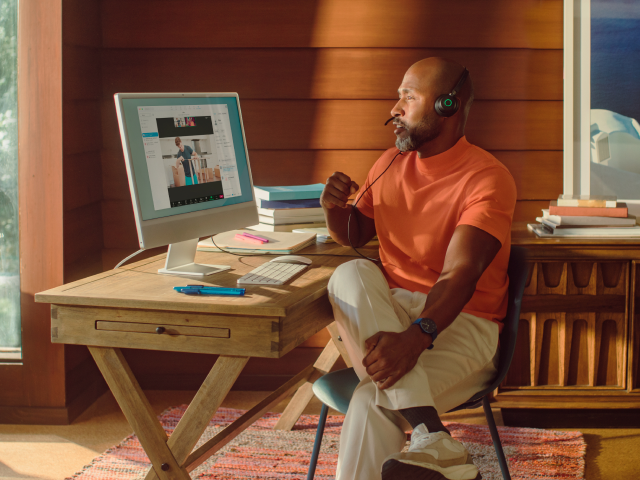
(291,220)
(588,211)
(286,204)
(291,212)
(288,195)
(573,202)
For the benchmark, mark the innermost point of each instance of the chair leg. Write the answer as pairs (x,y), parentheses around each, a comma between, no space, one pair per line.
(502,461)
(318,443)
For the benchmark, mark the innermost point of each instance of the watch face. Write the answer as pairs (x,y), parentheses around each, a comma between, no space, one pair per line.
(428,325)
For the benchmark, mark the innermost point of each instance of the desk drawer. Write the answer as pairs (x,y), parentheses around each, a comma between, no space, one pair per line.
(162,329)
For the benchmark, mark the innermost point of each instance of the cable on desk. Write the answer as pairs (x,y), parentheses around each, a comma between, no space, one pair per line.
(245,254)
(130,256)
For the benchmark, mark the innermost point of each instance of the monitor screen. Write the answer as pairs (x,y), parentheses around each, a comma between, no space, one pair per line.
(188,154)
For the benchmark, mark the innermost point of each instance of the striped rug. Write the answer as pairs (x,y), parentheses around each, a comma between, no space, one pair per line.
(263,453)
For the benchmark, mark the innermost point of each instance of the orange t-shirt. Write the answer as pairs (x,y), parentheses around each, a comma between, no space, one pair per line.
(418,203)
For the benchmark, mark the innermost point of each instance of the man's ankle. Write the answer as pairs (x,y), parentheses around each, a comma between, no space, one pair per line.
(427,415)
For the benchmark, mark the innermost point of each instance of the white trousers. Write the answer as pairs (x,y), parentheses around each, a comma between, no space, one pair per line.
(462,362)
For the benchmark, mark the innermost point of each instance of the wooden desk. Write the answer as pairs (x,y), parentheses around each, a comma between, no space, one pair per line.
(134,307)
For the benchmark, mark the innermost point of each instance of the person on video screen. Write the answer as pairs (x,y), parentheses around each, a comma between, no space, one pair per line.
(189,161)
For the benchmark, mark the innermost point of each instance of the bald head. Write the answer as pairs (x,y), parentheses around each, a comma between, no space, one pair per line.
(437,76)
(419,127)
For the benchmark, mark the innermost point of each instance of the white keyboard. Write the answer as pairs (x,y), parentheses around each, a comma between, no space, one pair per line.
(271,273)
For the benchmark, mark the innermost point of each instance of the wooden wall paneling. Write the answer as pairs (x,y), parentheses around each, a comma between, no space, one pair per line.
(537,174)
(552,278)
(119,224)
(39,382)
(81,70)
(319,124)
(83,232)
(81,23)
(528,210)
(333,23)
(328,73)
(83,180)
(550,334)
(115,185)
(610,347)
(82,128)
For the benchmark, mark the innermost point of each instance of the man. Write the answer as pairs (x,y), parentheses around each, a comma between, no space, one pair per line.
(442,212)
(189,160)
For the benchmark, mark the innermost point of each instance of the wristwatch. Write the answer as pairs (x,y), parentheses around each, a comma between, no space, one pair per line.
(428,326)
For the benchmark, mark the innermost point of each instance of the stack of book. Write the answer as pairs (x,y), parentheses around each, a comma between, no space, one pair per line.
(284,209)
(586,216)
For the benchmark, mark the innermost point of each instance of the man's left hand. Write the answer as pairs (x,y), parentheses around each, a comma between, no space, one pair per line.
(389,356)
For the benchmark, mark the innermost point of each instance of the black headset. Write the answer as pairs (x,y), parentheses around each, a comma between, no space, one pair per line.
(448,104)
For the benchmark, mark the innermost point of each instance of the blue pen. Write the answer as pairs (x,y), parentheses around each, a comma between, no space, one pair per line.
(202,290)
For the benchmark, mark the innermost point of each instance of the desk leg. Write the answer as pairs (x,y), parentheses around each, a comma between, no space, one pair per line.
(137,410)
(204,405)
(323,365)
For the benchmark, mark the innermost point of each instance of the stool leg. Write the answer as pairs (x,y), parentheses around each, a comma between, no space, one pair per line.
(318,443)
(502,461)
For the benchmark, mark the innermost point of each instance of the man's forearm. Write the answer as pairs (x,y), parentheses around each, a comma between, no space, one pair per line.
(447,298)
(337,219)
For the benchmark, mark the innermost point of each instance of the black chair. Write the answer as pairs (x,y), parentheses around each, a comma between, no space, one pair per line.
(336,389)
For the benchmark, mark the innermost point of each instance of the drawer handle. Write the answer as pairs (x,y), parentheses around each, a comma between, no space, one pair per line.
(160,330)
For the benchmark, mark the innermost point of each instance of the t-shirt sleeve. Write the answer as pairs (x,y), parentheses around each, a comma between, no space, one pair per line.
(489,202)
(364,198)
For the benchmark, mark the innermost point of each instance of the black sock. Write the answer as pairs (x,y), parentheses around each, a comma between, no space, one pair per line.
(427,415)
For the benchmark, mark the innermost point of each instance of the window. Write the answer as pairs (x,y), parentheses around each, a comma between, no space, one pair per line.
(602,99)
(10,338)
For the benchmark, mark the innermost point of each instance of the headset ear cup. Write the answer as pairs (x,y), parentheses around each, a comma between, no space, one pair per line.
(446,105)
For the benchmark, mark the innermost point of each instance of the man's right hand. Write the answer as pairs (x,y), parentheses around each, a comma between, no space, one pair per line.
(337,190)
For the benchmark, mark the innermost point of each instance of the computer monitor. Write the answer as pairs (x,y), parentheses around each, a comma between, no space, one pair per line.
(188,168)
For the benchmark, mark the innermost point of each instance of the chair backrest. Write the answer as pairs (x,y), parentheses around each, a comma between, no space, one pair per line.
(518,273)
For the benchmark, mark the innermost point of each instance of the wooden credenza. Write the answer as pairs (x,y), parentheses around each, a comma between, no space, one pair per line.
(578,345)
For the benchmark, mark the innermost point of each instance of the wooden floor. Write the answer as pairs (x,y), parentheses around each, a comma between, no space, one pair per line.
(56,452)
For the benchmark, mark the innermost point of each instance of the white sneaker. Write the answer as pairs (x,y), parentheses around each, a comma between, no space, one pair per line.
(431,456)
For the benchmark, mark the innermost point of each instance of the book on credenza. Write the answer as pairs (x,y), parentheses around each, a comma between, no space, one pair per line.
(265,227)
(563,221)
(279,242)
(593,201)
(291,220)
(291,212)
(291,192)
(543,230)
(287,204)
(620,211)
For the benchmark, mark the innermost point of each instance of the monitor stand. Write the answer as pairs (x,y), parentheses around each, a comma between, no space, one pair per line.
(180,259)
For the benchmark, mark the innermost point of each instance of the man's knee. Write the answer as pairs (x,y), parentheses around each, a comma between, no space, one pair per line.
(353,274)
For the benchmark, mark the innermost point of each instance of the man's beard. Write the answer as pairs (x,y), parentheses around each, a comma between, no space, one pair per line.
(425,131)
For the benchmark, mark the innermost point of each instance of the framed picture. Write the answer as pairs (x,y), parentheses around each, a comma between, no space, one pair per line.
(602,99)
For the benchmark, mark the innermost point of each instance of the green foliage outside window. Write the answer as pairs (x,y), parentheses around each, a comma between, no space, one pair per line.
(9,258)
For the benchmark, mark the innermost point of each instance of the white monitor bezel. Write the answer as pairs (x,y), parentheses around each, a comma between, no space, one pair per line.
(176,228)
